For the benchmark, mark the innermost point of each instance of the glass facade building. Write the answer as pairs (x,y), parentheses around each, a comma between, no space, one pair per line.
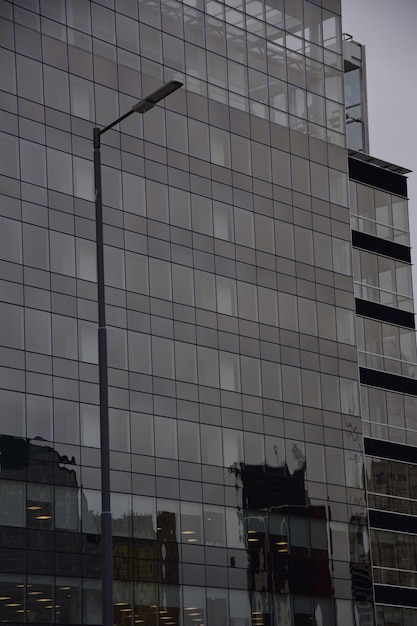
(261,355)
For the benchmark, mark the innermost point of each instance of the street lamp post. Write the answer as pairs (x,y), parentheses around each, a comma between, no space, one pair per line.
(106,526)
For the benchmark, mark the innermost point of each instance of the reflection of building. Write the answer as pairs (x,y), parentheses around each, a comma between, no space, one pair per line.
(235,405)
(287,538)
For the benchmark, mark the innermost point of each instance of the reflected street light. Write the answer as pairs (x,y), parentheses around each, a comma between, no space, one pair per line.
(106,527)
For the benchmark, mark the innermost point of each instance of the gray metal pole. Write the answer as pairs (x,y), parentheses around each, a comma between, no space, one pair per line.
(106,525)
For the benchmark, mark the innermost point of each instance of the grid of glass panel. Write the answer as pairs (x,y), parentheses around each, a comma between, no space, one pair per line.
(232,347)
(386,347)
(379,213)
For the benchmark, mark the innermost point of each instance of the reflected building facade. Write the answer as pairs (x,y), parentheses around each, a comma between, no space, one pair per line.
(244,363)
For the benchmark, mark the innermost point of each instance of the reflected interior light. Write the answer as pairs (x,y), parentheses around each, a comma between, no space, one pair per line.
(14,604)
(34,507)
(44,600)
(283,550)
(119,603)
(281,543)
(34,593)
(188,532)
(20,610)
(125,609)
(195,614)
(20,586)
(5,597)
(191,608)
(43,517)
(192,540)
(64,588)
(254,539)
(251,531)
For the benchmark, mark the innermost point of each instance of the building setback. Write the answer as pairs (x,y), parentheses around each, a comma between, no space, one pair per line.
(261,337)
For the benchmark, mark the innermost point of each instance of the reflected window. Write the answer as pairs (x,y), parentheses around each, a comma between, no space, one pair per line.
(10,236)
(208,366)
(162,357)
(117,347)
(211,445)
(185,362)
(67,508)
(59,171)
(39,506)
(183,284)
(62,253)
(38,331)
(86,259)
(168,520)
(160,279)
(90,425)
(39,417)
(12,498)
(83,178)
(142,433)
(68,598)
(189,441)
(244,228)
(82,98)
(223,221)
(35,247)
(119,430)
(229,371)
(144,517)
(88,345)
(232,448)
(226,296)
(114,267)
(166,437)
(194,605)
(217,606)
(204,290)
(191,522)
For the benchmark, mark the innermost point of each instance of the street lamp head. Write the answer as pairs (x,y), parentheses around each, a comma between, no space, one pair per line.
(149,102)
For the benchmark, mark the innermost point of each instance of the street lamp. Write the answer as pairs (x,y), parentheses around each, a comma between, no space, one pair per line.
(106,530)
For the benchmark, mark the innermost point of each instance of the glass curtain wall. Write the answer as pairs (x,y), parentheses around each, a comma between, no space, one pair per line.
(236,449)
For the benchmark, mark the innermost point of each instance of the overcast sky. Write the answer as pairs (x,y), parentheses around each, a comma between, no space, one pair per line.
(388,29)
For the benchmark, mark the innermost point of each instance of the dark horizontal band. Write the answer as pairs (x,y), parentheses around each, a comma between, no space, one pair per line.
(384,313)
(384,520)
(391,382)
(390,450)
(381,246)
(377,177)
(400,596)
